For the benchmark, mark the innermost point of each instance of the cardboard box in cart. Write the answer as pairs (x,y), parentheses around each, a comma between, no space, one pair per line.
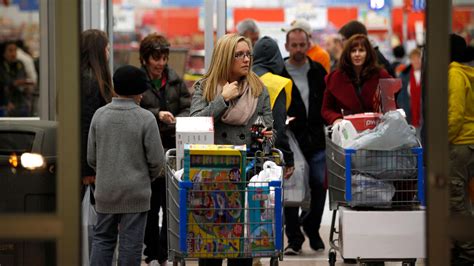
(377,234)
(192,130)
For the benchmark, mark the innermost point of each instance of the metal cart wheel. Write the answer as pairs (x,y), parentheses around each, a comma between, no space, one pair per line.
(409,263)
(274,261)
(332,258)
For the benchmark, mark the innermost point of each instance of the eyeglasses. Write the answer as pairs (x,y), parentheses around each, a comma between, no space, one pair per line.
(242,55)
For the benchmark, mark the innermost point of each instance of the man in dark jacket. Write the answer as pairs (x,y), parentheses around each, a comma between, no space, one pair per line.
(355,27)
(308,127)
(268,65)
(167,98)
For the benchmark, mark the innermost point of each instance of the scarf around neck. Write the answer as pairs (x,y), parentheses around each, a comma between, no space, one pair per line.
(240,109)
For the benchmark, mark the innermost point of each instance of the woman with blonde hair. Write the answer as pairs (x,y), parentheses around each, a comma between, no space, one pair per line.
(231,92)
(234,96)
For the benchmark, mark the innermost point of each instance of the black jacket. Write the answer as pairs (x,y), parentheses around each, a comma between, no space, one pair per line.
(267,58)
(309,129)
(91,100)
(177,100)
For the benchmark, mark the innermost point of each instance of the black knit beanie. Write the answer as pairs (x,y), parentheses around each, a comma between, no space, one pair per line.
(130,80)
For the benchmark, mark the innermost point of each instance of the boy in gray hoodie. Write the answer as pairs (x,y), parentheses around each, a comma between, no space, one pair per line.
(125,150)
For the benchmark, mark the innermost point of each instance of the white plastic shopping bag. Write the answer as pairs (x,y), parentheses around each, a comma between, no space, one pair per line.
(89,218)
(344,133)
(261,206)
(296,188)
(392,133)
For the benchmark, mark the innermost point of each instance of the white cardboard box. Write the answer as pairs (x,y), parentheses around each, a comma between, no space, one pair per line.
(382,234)
(192,130)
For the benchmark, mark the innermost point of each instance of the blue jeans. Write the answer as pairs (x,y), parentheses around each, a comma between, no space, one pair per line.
(312,219)
(132,230)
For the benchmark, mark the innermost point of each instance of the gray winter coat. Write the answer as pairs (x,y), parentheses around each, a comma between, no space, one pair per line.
(224,133)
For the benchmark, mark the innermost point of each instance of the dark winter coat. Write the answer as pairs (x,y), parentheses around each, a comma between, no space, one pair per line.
(341,95)
(309,128)
(177,100)
(267,58)
(91,100)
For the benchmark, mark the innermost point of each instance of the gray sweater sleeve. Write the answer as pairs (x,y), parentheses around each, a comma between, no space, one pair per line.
(91,146)
(154,150)
(201,107)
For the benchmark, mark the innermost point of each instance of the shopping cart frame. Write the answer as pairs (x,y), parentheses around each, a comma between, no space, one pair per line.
(345,162)
(178,219)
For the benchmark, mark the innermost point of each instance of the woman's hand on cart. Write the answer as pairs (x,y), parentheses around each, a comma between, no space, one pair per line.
(267,132)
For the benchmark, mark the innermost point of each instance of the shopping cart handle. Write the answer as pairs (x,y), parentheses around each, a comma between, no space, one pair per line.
(185,184)
(274,184)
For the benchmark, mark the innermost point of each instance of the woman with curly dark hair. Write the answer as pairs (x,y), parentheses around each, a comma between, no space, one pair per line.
(351,87)
(167,98)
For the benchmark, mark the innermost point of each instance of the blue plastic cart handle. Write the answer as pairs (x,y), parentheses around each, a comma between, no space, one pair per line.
(420,173)
(348,165)
(183,219)
(278,218)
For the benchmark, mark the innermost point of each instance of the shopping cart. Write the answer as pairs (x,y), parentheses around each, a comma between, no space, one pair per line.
(259,234)
(373,189)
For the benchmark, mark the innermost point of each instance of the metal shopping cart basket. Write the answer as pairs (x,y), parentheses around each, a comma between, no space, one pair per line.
(189,204)
(367,185)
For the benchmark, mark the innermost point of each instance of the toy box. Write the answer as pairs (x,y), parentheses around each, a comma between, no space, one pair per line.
(216,201)
(192,130)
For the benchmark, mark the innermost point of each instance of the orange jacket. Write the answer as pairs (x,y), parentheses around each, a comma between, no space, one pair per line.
(318,54)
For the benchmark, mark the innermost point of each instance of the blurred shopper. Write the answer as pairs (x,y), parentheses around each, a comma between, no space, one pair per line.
(308,127)
(125,149)
(25,57)
(315,52)
(461,140)
(355,27)
(23,54)
(409,98)
(351,88)
(15,87)
(398,64)
(248,28)
(268,64)
(334,46)
(234,96)
(96,89)
(167,98)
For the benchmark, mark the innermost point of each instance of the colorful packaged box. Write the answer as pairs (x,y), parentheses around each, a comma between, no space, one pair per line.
(261,221)
(216,201)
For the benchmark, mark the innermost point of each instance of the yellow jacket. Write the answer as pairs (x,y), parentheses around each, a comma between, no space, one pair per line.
(461,104)
(275,84)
